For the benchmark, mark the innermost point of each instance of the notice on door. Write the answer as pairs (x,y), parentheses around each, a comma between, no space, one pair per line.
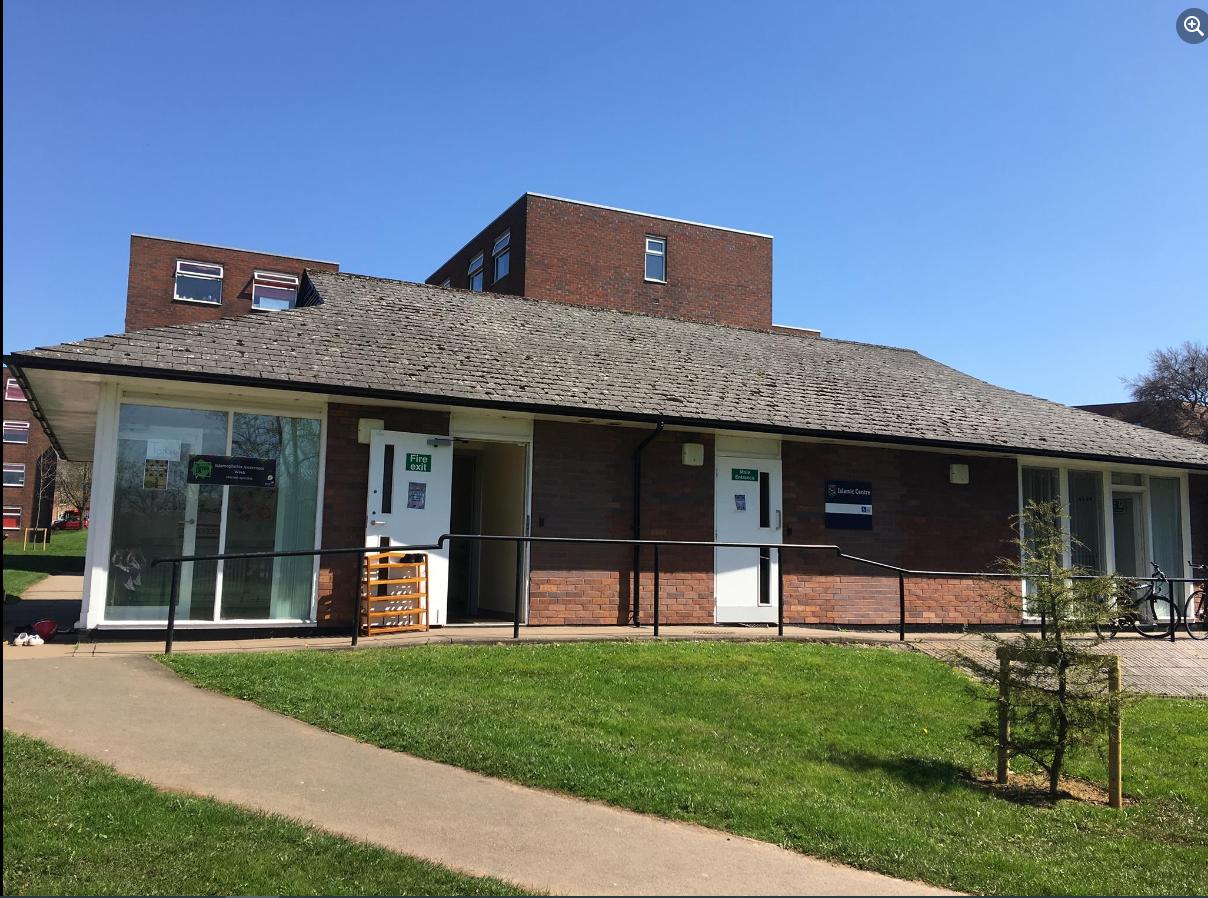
(848,505)
(417,494)
(232,470)
(155,474)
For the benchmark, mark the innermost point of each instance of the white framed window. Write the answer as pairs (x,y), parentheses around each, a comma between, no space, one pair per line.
(198,282)
(502,254)
(14,474)
(656,259)
(475,273)
(12,517)
(447,282)
(13,391)
(16,431)
(274,292)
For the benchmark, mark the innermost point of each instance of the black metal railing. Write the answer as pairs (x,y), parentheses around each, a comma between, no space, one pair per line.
(638,544)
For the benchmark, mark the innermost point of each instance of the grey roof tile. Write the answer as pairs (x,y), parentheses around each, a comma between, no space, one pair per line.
(382,336)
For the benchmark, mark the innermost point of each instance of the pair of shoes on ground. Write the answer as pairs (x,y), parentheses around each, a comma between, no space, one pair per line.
(28,639)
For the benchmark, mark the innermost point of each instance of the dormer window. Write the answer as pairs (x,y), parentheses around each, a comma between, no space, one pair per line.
(273,292)
(475,273)
(502,254)
(198,282)
(656,259)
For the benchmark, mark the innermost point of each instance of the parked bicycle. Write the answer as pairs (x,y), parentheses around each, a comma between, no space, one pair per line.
(1141,607)
(1195,610)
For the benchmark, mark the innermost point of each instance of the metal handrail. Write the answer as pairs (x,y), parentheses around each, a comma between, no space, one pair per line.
(521,541)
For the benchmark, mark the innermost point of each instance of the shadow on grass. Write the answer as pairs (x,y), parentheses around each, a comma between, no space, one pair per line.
(45,563)
(928,774)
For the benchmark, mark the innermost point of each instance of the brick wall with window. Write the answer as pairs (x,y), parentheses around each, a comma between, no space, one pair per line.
(574,253)
(29,464)
(173,282)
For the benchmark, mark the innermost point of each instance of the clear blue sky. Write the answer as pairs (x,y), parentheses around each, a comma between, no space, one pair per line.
(1018,190)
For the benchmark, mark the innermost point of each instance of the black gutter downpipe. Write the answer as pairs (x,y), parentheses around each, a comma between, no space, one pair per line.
(637,519)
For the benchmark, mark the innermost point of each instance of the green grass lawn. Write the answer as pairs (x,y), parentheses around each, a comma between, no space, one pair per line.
(73,827)
(855,754)
(25,567)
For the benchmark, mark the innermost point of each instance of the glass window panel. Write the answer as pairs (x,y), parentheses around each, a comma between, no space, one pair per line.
(14,475)
(12,517)
(656,267)
(476,281)
(274,299)
(503,264)
(1086,520)
(16,431)
(1121,479)
(157,514)
(198,289)
(266,520)
(1166,509)
(13,391)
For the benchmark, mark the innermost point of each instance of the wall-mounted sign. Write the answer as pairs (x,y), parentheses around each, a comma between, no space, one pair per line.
(155,474)
(417,461)
(417,494)
(232,470)
(848,505)
(744,474)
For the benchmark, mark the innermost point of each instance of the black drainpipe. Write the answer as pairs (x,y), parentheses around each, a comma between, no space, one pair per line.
(637,520)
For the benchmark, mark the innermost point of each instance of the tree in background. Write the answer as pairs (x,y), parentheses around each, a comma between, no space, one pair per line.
(1174,392)
(45,476)
(73,484)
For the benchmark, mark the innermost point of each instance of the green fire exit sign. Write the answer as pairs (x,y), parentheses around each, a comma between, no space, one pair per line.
(744,474)
(418,462)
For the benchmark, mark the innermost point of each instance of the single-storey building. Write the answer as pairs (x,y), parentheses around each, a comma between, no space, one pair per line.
(395,411)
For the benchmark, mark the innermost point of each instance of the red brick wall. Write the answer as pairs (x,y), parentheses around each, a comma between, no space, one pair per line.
(456,269)
(920,520)
(151,285)
(583,487)
(36,497)
(345,487)
(595,257)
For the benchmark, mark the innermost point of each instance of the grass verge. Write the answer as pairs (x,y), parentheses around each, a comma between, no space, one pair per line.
(74,827)
(859,755)
(23,567)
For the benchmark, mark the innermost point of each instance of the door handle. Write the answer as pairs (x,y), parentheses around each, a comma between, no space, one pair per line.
(376,523)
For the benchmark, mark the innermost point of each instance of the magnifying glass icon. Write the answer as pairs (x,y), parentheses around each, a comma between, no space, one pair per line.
(1191,25)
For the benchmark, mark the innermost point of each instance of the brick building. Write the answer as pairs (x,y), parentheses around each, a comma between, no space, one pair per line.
(29,465)
(572,371)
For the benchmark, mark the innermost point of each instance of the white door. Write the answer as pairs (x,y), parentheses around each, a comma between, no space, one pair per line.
(410,499)
(747,509)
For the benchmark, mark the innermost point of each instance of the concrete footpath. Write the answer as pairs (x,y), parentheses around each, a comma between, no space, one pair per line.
(130,712)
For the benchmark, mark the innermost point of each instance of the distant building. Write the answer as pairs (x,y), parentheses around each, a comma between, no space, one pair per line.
(29,464)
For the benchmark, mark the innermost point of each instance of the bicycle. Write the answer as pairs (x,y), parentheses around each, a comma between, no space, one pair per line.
(1145,609)
(1195,609)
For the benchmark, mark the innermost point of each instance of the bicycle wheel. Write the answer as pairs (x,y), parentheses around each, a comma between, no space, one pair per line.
(1195,615)
(1109,629)
(1152,618)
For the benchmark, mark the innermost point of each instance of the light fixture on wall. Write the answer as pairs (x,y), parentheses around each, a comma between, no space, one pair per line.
(440,441)
(958,474)
(366,426)
(693,454)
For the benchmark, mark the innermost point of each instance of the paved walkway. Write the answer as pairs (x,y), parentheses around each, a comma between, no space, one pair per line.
(134,714)
(1152,666)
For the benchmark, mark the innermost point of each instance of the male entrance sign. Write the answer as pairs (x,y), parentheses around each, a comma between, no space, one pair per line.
(848,505)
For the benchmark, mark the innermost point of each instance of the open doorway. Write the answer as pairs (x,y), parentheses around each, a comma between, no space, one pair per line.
(488,498)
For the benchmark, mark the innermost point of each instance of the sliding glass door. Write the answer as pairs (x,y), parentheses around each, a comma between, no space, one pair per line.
(159,513)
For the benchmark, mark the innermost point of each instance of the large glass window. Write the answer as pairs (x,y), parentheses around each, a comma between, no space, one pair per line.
(1086,520)
(14,474)
(1166,513)
(273,292)
(502,254)
(16,431)
(157,513)
(656,259)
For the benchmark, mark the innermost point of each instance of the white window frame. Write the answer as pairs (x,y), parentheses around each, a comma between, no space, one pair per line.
(14,468)
(499,252)
(19,426)
(1063,468)
(20,516)
(476,267)
(278,280)
(660,252)
(8,387)
(176,297)
(447,282)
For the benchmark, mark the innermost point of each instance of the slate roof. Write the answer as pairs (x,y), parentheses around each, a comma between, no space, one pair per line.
(371,336)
